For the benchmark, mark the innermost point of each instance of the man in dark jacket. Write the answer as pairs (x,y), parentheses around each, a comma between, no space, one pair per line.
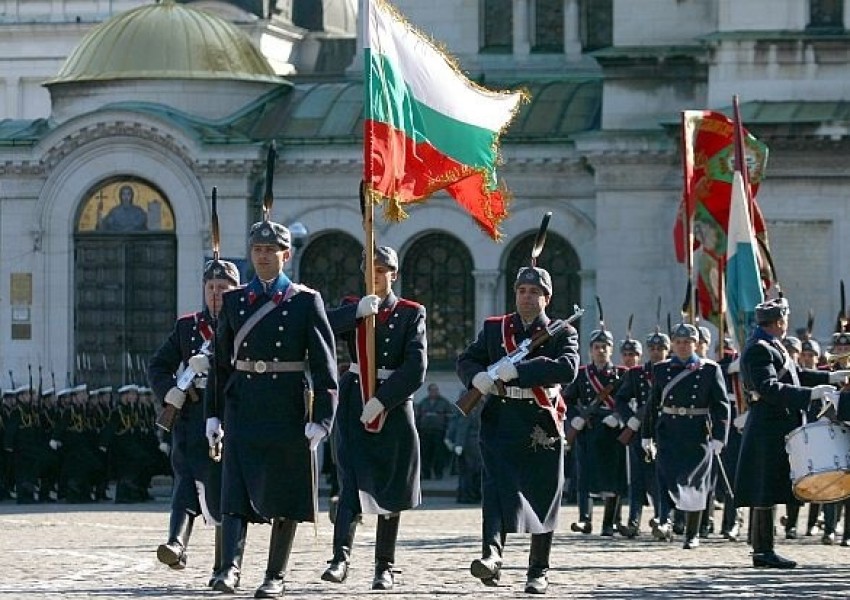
(376,442)
(260,405)
(197,478)
(521,428)
(779,393)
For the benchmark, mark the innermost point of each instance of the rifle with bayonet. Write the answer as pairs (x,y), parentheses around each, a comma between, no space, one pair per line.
(604,395)
(466,403)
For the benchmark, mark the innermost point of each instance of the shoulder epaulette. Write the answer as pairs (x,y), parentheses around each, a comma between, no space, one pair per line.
(408,303)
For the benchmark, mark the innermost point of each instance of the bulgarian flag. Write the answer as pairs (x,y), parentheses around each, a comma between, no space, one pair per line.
(428,127)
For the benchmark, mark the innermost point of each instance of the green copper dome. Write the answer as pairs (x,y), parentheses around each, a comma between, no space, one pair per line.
(165,41)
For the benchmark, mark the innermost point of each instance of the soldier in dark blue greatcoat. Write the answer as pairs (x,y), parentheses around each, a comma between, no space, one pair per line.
(632,401)
(521,435)
(375,438)
(197,478)
(600,458)
(779,393)
(261,407)
(688,422)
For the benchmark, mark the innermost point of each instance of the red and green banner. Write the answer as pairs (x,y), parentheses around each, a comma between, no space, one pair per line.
(709,165)
(428,127)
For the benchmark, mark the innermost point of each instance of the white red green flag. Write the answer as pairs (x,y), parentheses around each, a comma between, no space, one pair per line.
(428,127)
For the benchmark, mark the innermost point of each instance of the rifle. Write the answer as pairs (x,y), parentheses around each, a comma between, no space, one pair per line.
(165,421)
(602,396)
(468,401)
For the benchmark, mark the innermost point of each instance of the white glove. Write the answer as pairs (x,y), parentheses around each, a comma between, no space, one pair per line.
(838,376)
(200,364)
(54,444)
(368,306)
(214,431)
(164,448)
(506,371)
(483,383)
(819,391)
(715,446)
(734,366)
(577,423)
(741,420)
(450,445)
(611,421)
(371,410)
(647,445)
(315,433)
(458,450)
(175,397)
(633,423)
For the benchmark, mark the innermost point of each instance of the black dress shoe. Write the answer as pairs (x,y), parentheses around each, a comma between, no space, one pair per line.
(227,581)
(845,540)
(791,533)
(607,531)
(691,543)
(336,572)
(536,582)
(272,587)
(383,579)
(488,570)
(772,560)
(630,531)
(732,534)
(172,554)
(663,532)
(828,539)
(584,527)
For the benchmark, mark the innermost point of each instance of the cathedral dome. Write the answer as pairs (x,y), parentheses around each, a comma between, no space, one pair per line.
(165,41)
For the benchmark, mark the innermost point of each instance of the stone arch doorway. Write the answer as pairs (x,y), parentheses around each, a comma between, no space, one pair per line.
(125,280)
(562,262)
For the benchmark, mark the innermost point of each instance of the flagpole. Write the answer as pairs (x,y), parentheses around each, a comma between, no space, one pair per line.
(368,207)
(721,291)
(688,229)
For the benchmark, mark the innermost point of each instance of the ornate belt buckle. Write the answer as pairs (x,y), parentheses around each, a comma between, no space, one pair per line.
(260,367)
(682,411)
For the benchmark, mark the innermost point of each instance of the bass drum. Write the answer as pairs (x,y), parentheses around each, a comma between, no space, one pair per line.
(819,453)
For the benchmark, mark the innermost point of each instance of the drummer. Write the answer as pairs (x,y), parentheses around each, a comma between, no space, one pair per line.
(778,392)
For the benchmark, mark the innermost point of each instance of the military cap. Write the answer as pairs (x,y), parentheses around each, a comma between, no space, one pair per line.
(221,269)
(80,388)
(810,346)
(269,232)
(841,338)
(384,256)
(602,335)
(65,392)
(46,393)
(631,345)
(685,330)
(8,393)
(130,387)
(539,277)
(704,334)
(23,388)
(658,339)
(771,311)
(792,343)
(728,345)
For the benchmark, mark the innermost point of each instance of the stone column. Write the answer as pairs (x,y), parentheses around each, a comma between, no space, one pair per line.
(572,41)
(486,286)
(588,302)
(522,44)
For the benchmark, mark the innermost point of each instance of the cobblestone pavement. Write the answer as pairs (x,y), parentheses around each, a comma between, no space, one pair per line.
(108,551)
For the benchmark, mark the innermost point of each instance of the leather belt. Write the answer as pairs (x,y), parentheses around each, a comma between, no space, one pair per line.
(684,411)
(382,373)
(261,366)
(518,393)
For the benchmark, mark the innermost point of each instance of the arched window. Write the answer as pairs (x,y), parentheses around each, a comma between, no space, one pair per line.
(331,264)
(125,280)
(437,272)
(560,259)
(497,26)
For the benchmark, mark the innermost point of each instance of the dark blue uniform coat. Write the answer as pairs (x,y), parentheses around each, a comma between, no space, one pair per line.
(379,472)
(190,459)
(521,447)
(633,400)
(600,458)
(763,478)
(685,462)
(267,463)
